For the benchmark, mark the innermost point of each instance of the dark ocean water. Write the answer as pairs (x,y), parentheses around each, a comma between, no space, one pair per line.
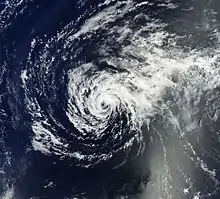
(109,99)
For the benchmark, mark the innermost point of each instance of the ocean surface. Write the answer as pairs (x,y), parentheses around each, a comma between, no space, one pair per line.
(109,99)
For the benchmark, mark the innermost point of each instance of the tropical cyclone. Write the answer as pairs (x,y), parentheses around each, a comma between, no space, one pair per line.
(127,83)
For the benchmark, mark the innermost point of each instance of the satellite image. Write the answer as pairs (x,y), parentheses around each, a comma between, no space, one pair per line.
(109,99)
